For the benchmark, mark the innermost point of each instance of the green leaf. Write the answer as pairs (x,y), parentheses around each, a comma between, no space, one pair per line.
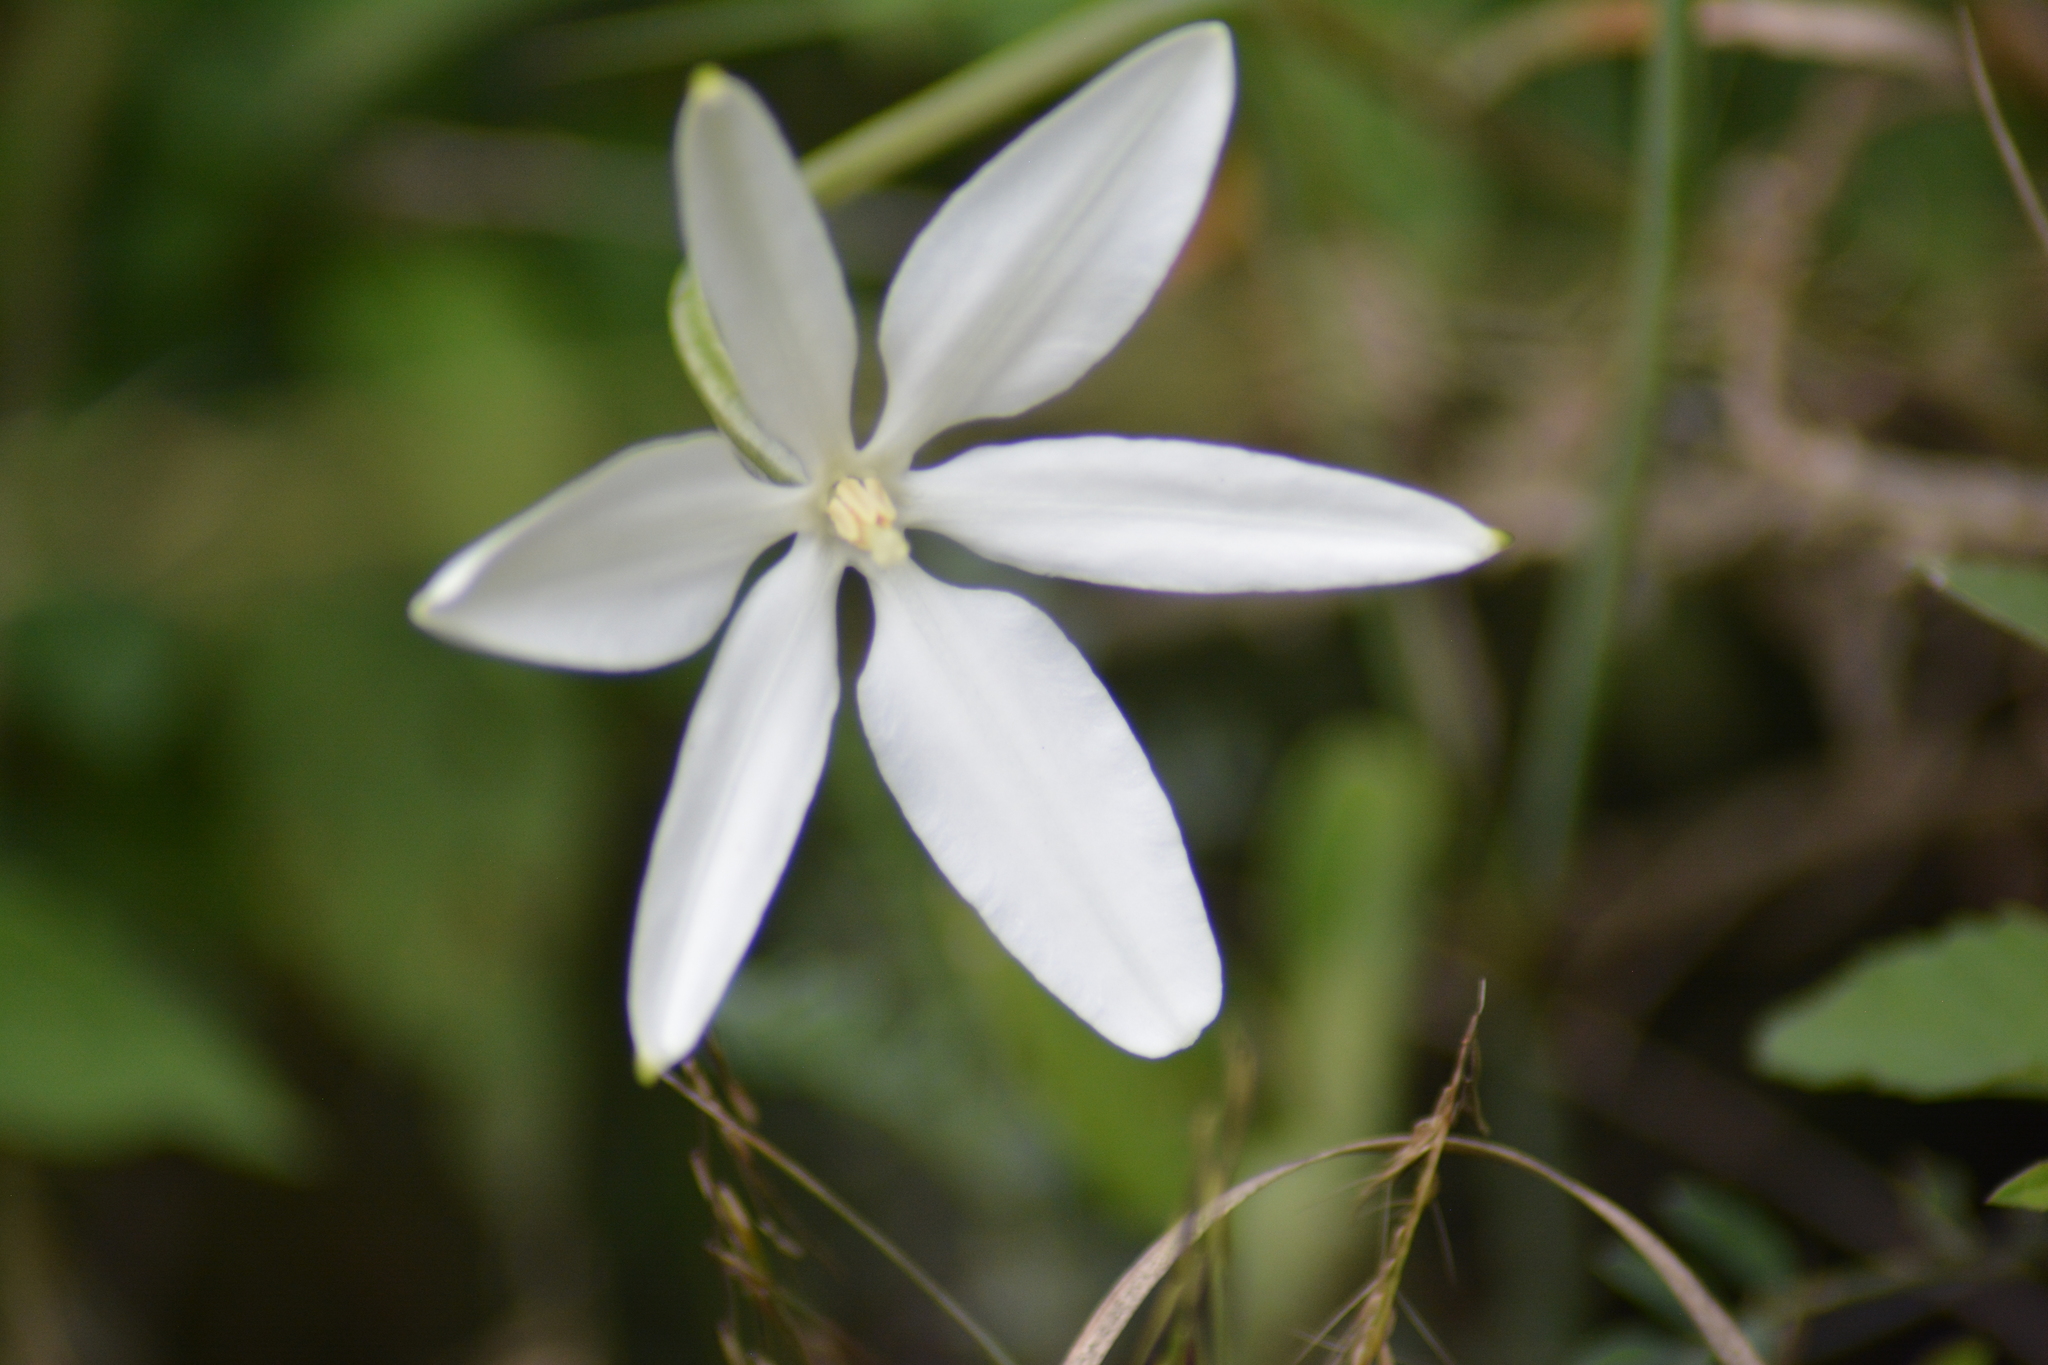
(103,1057)
(1962,1011)
(2027,1190)
(2011,595)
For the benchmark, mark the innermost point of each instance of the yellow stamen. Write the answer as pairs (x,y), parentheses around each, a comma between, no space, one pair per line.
(860,511)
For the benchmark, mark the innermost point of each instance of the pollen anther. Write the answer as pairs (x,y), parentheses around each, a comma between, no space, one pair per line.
(861,512)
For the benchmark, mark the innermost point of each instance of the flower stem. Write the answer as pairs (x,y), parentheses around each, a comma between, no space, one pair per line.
(984,93)
(1578,636)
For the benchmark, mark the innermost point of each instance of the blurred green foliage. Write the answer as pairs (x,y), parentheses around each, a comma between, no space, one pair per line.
(419,834)
(104,1057)
(1356,830)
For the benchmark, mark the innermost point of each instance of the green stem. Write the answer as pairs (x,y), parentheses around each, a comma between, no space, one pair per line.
(1578,635)
(985,93)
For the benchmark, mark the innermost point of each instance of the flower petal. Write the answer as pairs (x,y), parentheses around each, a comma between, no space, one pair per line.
(1038,265)
(758,245)
(1017,771)
(631,565)
(1182,516)
(749,768)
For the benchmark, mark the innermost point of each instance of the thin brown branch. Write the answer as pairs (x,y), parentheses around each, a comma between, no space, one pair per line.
(1656,917)
(1769,216)
(2001,136)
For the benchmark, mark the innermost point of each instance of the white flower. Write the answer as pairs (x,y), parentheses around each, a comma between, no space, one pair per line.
(1004,751)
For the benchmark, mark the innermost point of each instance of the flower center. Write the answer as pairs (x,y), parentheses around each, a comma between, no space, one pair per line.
(860,511)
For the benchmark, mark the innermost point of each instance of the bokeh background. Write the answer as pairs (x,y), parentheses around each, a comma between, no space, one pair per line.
(312,931)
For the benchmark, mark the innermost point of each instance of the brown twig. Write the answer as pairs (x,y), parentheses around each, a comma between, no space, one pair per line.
(1770,215)
(2001,136)
(1650,919)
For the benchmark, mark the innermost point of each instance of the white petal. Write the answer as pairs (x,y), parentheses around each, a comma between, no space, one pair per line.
(1017,771)
(759,248)
(1182,516)
(630,565)
(1038,265)
(749,768)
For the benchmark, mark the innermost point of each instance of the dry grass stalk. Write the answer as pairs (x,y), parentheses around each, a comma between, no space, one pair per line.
(749,1237)
(1376,1307)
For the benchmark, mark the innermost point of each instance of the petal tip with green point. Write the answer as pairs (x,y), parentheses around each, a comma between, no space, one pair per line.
(709,82)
